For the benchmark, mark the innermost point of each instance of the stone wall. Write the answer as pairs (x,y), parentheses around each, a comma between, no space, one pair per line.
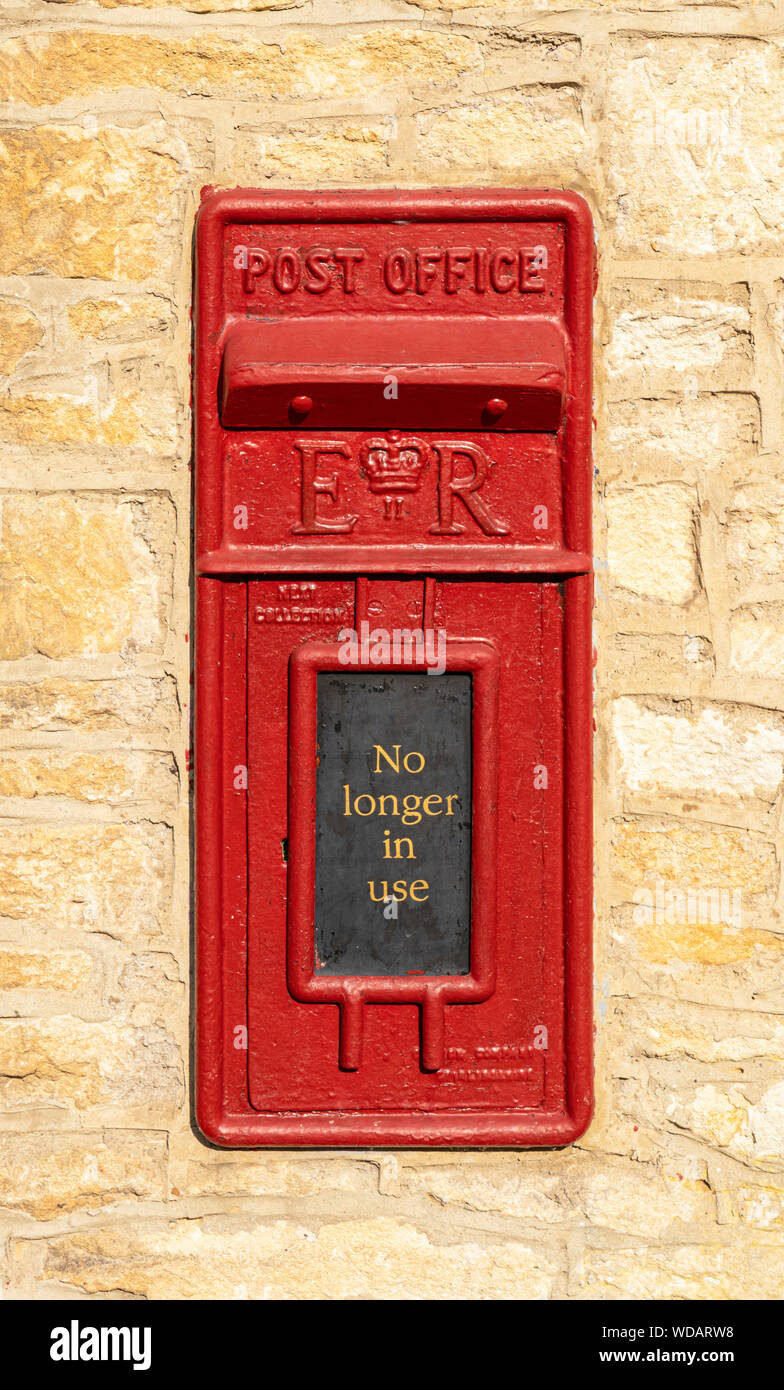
(670,119)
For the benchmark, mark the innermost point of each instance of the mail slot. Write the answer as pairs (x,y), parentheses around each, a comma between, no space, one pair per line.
(326,375)
(393,667)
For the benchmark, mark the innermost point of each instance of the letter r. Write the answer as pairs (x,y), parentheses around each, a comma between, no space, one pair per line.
(465,489)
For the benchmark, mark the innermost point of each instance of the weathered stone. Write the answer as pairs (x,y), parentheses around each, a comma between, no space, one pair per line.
(760,1206)
(720,1117)
(65,1062)
(41,69)
(150,987)
(696,141)
(709,1271)
(285,1260)
(489,6)
(766,1125)
(83,575)
(695,748)
(117,778)
(313,150)
(665,334)
(692,856)
(508,49)
(678,437)
(755,534)
(131,703)
(46,1175)
(122,319)
(709,943)
(658,1028)
(694,957)
(22,968)
(113,879)
(659,662)
(581,1192)
(204,6)
(21,331)
(535,129)
(744,1121)
(77,202)
(130,416)
(253,1175)
(651,541)
(757,641)
(775,315)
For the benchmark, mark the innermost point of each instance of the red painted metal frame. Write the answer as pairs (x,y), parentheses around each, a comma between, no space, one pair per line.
(223,1110)
(432,993)
(249,206)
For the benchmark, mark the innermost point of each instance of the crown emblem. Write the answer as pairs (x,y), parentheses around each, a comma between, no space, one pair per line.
(393,464)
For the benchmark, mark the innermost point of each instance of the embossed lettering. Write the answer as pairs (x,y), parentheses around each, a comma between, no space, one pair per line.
(427,261)
(422,270)
(464,490)
(316,262)
(349,258)
(531,262)
(286,271)
(296,613)
(311,452)
(502,279)
(398,271)
(296,269)
(457,259)
(256,265)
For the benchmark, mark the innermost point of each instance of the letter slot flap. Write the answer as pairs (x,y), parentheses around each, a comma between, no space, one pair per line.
(332,372)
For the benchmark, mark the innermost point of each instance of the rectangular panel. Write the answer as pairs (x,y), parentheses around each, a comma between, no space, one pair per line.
(393,824)
(387,272)
(405,449)
(491,1064)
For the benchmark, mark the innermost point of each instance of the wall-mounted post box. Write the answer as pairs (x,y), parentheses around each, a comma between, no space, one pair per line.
(393,667)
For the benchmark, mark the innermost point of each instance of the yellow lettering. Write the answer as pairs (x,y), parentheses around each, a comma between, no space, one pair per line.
(382,753)
(404,841)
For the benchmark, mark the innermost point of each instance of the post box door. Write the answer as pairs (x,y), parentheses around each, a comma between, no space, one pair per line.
(484,749)
(393,669)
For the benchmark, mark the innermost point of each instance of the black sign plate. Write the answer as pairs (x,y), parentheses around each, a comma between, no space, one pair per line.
(393,824)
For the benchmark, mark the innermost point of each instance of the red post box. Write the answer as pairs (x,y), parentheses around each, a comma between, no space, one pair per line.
(393,667)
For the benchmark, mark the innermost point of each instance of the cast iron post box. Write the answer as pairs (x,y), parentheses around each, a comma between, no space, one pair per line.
(393,673)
